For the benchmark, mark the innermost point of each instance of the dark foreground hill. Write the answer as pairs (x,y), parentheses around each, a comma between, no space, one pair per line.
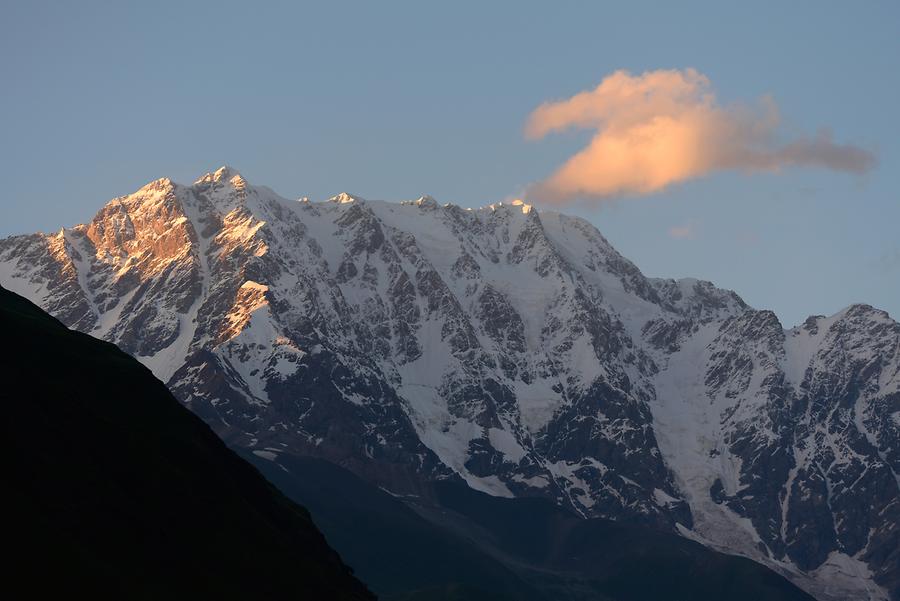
(112,489)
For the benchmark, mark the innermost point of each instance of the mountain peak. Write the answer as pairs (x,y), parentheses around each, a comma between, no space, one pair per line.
(515,204)
(427,201)
(526,208)
(223,173)
(344,198)
(163,183)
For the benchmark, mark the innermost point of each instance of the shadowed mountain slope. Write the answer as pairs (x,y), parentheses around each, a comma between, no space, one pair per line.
(458,543)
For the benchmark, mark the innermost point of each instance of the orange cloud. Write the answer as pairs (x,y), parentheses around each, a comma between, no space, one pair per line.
(665,127)
(682,232)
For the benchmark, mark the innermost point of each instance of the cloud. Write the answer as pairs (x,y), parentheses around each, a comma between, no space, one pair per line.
(664,127)
(682,232)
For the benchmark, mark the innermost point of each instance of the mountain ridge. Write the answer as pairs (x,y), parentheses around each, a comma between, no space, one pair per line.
(511,348)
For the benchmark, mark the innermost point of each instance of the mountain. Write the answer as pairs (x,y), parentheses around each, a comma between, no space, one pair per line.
(112,489)
(458,543)
(508,348)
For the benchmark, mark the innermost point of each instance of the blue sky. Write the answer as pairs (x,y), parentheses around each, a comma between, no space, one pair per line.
(394,100)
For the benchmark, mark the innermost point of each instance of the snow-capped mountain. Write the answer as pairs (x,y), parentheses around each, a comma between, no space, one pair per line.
(509,347)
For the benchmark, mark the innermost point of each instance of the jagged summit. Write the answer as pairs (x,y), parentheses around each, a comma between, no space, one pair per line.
(513,349)
(344,198)
(526,208)
(230,178)
(517,204)
(427,202)
(229,175)
(223,173)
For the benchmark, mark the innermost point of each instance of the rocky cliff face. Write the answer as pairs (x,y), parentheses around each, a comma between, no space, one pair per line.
(511,348)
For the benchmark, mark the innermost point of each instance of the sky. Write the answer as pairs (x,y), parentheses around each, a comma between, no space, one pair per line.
(394,100)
